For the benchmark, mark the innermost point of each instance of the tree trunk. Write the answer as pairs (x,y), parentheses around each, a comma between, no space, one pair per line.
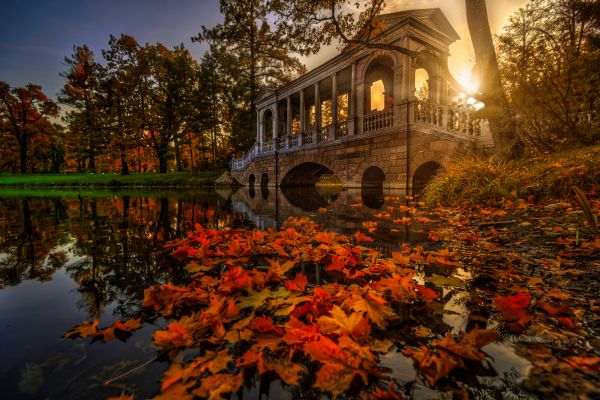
(23,156)
(486,71)
(124,166)
(178,164)
(161,152)
(92,154)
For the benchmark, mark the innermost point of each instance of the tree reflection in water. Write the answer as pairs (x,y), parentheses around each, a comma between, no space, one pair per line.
(113,248)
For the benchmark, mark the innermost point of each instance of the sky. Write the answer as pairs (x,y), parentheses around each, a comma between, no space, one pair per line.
(35,36)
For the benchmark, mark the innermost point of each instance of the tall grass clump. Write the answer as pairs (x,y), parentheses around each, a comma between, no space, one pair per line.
(473,179)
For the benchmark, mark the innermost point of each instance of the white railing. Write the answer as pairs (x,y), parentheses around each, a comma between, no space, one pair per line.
(457,120)
(242,163)
(454,120)
(293,140)
(308,137)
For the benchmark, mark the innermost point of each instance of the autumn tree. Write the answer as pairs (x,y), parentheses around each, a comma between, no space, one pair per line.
(260,54)
(172,74)
(550,58)
(24,113)
(124,84)
(82,92)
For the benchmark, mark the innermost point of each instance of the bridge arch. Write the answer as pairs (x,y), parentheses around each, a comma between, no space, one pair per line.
(372,187)
(264,180)
(305,174)
(424,174)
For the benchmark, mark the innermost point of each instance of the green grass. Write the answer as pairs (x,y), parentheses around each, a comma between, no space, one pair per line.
(474,180)
(179,179)
(104,192)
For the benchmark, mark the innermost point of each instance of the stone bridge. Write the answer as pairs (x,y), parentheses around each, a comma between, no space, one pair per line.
(370,117)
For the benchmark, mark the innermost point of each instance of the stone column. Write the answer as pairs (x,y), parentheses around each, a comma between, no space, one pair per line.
(302,118)
(288,127)
(399,100)
(435,85)
(352,98)
(258,129)
(317,109)
(334,107)
(352,102)
(408,83)
(360,107)
(443,90)
(275,124)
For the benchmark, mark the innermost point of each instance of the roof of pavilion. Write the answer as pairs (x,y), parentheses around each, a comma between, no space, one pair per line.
(432,19)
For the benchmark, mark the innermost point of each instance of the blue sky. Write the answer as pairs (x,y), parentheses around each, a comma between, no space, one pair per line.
(35,36)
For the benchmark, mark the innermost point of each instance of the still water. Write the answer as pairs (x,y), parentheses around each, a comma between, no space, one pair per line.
(68,256)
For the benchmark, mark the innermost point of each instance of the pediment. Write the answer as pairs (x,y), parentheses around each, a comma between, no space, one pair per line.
(432,17)
(264,93)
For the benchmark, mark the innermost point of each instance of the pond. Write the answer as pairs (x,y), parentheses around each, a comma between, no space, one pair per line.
(68,256)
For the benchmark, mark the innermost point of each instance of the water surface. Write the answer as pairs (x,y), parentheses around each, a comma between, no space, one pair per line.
(69,256)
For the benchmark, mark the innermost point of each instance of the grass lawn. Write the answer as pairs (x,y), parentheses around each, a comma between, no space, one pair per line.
(111,180)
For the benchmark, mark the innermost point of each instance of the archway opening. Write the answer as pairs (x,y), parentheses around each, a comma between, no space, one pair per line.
(372,187)
(309,174)
(251,182)
(373,177)
(264,180)
(422,84)
(425,173)
(268,125)
(379,84)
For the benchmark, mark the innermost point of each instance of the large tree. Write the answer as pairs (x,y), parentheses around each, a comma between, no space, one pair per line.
(310,24)
(24,113)
(83,93)
(121,86)
(172,75)
(260,54)
(487,72)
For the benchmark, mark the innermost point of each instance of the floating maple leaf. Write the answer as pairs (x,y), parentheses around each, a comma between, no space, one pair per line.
(513,308)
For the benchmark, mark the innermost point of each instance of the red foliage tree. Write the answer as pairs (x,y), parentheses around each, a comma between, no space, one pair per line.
(24,113)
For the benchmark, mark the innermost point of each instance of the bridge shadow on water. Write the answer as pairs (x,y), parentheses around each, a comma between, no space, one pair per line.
(336,208)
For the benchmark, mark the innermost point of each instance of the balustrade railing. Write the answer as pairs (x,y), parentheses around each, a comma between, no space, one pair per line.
(378,120)
(456,120)
(281,142)
(322,133)
(341,130)
(307,137)
(453,119)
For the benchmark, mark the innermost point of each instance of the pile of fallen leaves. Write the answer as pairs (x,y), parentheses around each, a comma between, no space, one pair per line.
(249,308)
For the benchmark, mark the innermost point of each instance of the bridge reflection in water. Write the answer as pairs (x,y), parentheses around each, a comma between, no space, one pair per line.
(339,209)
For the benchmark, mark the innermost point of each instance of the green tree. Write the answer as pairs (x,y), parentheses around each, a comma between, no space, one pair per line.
(123,86)
(172,74)
(24,114)
(259,55)
(83,93)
